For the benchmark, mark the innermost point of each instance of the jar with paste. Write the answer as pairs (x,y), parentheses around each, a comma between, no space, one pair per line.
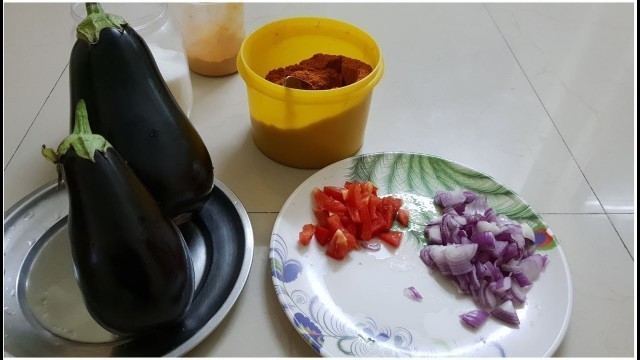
(157,28)
(212,35)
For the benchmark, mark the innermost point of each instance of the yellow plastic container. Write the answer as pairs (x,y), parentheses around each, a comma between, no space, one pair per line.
(307,128)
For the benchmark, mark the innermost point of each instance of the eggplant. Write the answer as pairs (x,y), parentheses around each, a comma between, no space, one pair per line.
(112,69)
(131,262)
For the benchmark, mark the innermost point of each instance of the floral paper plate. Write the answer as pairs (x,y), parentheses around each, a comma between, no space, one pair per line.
(357,306)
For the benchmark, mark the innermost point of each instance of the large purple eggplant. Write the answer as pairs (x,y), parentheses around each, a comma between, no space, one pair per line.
(112,69)
(131,261)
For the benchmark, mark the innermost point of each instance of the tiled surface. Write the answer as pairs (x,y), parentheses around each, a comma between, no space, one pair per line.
(538,96)
(579,58)
(30,53)
(603,300)
(624,225)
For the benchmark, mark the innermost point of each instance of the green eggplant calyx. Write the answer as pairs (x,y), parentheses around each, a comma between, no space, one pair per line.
(96,20)
(82,140)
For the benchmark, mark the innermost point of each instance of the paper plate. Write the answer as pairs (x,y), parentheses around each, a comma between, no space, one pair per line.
(357,306)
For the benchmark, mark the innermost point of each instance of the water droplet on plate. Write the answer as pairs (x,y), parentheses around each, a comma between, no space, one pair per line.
(29,215)
(13,292)
(29,242)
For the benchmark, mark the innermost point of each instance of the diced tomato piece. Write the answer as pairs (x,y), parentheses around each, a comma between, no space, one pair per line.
(324,202)
(338,246)
(323,235)
(377,226)
(354,195)
(351,240)
(334,206)
(388,215)
(403,217)
(321,216)
(392,238)
(365,223)
(394,202)
(334,223)
(306,234)
(352,229)
(335,192)
(345,220)
(373,205)
(354,214)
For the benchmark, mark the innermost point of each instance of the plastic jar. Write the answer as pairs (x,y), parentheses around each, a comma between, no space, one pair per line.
(307,128)
(155,26)
(212,34)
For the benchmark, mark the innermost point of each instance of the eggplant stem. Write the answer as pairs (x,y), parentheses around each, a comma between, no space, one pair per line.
(94,8)
(96,20)
(82,140)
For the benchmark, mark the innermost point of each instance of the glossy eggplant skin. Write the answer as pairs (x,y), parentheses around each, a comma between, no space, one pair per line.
(132,107)
(131,262)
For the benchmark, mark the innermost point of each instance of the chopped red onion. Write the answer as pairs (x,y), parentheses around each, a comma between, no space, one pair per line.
(450,198)
(521,279)
(483,226)
(368,245)
(485,240)
(486,255)
(413,293)
(506,312)
(475,318)
(458,257)
(517,292)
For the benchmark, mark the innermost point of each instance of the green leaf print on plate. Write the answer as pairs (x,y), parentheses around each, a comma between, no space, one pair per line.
(424,175)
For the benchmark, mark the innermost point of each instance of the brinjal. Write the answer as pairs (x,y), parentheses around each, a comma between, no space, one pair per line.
(131,262)
(112,69)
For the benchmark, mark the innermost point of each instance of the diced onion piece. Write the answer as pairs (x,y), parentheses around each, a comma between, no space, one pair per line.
(506,312)
(433,233)
(483,226)
(450,198)
(413,293)
(475,318)
(458,257)
(368,245)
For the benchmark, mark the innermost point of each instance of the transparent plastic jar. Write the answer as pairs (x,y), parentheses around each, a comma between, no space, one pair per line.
(212,34)
(153,23)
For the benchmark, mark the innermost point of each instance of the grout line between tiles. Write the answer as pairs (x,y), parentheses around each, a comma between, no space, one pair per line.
(36,117)
(555,126)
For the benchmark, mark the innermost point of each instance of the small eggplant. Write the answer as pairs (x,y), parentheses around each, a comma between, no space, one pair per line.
(112,69)
(131,262)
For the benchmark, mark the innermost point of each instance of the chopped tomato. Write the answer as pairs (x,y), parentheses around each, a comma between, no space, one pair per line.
(323,235)
(365,223)
(403,217)
(334,223)
(306,234)
(338,246)
(351,213)
(334,192)
(322,217)
(391,237)
(325,202)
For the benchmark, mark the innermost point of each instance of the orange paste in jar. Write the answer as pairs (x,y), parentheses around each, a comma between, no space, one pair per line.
(325,140)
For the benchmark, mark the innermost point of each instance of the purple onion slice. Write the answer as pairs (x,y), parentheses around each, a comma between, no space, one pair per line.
(506,312)
(475,318)
(413,293)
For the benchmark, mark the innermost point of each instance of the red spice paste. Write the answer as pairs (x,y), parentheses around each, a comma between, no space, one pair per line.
(323,71)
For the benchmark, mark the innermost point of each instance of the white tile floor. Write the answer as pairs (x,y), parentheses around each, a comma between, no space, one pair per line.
(539,96)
